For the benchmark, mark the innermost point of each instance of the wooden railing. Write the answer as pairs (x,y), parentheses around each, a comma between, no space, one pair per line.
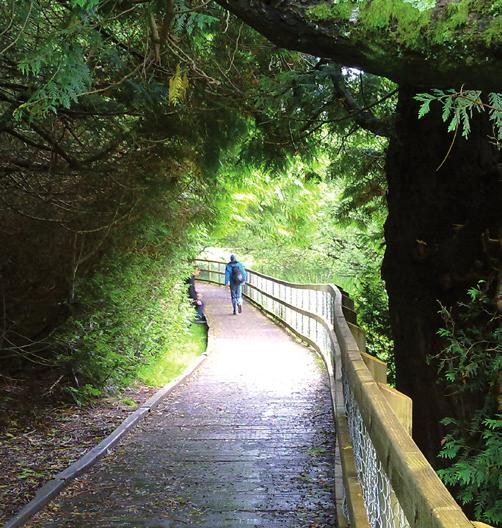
(386,481)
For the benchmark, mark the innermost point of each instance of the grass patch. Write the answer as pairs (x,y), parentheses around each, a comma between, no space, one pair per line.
(175,359)
(129,403)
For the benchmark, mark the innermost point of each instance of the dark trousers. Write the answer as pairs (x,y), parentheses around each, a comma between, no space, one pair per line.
(236,295)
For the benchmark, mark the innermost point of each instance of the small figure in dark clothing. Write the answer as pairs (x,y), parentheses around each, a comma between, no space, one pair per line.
(199,307)
(196,298)
(190,281)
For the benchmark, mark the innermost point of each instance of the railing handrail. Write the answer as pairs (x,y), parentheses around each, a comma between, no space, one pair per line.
(410,473)
(347,306)
(423,497)
(320,286)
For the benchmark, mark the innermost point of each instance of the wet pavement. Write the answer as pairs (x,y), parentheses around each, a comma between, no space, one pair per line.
(245,441)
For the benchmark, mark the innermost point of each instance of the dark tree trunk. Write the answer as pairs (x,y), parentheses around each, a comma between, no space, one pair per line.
(437,222)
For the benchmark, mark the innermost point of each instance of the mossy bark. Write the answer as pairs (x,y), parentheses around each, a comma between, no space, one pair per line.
(438,221)
(450,45)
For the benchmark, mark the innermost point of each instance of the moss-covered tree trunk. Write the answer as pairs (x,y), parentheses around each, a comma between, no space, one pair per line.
(438,221)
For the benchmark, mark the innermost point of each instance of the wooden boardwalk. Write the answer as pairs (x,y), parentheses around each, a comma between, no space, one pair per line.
(245,441)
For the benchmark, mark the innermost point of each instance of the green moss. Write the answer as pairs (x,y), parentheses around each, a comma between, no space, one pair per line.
(416,24)
(402,19)
(455,17)
(129,403)
(476,21)
(331,11)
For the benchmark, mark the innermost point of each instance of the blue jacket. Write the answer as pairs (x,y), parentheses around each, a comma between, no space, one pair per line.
(228,272)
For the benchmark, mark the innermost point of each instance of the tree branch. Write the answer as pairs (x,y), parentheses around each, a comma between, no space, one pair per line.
(352,42)
(362,116)
(72,162)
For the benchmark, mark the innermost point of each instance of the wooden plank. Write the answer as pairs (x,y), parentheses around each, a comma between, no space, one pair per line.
(358,336)
(377,367)
(358,517)
(401,404)
(423,497)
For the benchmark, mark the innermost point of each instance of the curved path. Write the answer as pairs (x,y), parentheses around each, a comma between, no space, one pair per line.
(247,440)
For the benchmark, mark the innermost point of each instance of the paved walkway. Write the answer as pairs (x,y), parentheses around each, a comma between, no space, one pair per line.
(245,441)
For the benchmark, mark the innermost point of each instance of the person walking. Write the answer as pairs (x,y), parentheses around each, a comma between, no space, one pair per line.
(235,277)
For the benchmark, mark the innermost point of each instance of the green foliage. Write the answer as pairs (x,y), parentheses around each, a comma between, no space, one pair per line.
(85,4)
(495,109)
(476,470)
(84,394)
(274,211)
(357,258)
(105,129)
(67,78)
(191,22)
(178,85)
(135,310)
(474,351)
(53,61)
(471,364)
(494,31)
(458,107)
(357,167)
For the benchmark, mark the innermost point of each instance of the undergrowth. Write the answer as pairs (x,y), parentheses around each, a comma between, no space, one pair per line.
(134,315)
(471,364)
(171,362)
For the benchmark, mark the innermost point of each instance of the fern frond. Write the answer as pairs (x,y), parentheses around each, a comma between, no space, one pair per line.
(178,86)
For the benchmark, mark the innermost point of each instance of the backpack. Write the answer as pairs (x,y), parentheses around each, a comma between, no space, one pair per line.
(237,276)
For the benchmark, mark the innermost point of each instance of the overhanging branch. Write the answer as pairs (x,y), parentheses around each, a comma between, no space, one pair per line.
(467,58)
(362,116)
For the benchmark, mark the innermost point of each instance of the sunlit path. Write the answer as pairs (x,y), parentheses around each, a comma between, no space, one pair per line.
(246,441)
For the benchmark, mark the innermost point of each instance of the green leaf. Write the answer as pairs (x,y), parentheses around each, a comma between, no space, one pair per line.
(424,108)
